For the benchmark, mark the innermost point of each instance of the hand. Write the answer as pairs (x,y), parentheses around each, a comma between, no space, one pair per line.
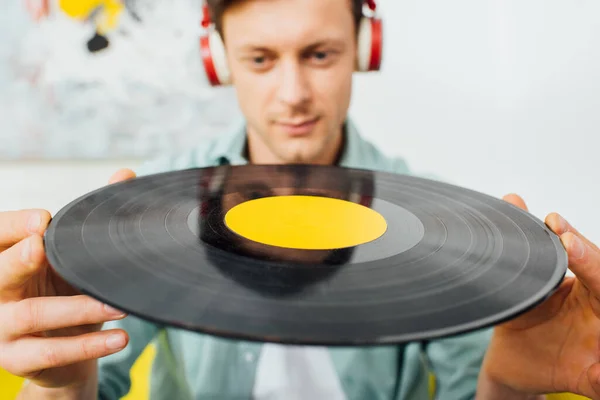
(49,333)
(555,346)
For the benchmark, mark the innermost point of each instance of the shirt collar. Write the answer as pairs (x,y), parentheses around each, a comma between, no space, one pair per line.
(354,153)
(230,148)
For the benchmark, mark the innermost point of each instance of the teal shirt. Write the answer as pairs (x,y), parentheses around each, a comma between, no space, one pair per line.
(190,365)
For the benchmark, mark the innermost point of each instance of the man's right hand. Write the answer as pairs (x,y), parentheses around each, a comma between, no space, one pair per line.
(50,334)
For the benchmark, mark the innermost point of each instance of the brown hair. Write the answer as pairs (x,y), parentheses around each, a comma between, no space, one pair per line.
(218,7)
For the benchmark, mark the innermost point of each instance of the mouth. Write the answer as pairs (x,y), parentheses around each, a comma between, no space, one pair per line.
(299,127)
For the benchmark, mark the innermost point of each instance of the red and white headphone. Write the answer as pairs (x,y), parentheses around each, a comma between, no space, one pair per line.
(38,9)
(370,46)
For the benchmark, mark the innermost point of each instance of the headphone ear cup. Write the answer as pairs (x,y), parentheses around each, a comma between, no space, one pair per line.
(214,59)
(38,9)
(370,44)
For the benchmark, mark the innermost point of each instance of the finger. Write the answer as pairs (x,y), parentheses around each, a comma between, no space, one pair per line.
(559,225)
(516,200)
(584,261)
(17,225)
(591,388)
(49,313)
(121,175)
(18,264)
(29,355)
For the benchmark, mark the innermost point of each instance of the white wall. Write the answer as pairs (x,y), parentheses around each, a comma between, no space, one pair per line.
(495,95)
(52,185)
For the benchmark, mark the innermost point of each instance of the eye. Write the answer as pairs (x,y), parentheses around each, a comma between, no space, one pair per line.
(321,55)
(259,62)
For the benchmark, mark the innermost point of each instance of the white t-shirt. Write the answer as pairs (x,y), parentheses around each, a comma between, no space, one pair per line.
(296,373)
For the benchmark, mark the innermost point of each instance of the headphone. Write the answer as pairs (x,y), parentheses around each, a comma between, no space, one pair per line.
(370,45)
(38,9)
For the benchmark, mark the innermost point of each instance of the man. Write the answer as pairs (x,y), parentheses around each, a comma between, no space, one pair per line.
(291,63)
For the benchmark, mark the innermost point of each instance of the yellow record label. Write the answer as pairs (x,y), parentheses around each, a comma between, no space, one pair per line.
(305,222)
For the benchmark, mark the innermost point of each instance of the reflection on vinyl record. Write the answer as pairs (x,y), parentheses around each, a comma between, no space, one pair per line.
(306,254)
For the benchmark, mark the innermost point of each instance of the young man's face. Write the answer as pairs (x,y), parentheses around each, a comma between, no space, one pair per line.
(292,63)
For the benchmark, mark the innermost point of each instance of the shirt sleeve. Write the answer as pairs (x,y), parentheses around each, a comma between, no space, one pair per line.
(114,380)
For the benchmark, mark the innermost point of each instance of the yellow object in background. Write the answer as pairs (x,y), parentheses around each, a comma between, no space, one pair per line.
(104,13)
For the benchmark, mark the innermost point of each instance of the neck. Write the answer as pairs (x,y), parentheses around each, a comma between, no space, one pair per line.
(256,151)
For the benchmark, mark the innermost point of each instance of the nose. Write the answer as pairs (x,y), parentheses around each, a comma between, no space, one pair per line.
(294,88)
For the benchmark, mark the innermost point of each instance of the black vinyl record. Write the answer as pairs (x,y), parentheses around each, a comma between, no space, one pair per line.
(451,260)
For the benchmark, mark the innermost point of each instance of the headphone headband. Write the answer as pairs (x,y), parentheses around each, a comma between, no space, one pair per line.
(205,16)
(371,4)
(206,20)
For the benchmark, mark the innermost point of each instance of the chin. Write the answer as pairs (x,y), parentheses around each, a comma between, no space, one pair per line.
(300,149)
(301,158)
(295,159)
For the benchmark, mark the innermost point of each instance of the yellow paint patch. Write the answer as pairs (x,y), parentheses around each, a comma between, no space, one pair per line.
(105,20)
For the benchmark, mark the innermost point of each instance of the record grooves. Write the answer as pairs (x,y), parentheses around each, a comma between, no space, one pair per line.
(451,260)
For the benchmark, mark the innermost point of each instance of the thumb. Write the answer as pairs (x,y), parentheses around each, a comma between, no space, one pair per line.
(121,175)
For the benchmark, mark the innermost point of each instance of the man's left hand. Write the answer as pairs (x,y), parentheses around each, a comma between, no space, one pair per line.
(555,346)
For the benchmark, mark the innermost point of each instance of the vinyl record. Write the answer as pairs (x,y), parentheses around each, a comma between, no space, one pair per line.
(302,254)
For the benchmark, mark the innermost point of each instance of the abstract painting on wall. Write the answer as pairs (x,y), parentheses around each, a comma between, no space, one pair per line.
(94,79)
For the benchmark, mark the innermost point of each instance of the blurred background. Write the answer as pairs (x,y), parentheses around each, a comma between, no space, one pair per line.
(495,95)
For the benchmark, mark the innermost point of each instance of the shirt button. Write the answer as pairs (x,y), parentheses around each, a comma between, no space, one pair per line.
(249,357)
